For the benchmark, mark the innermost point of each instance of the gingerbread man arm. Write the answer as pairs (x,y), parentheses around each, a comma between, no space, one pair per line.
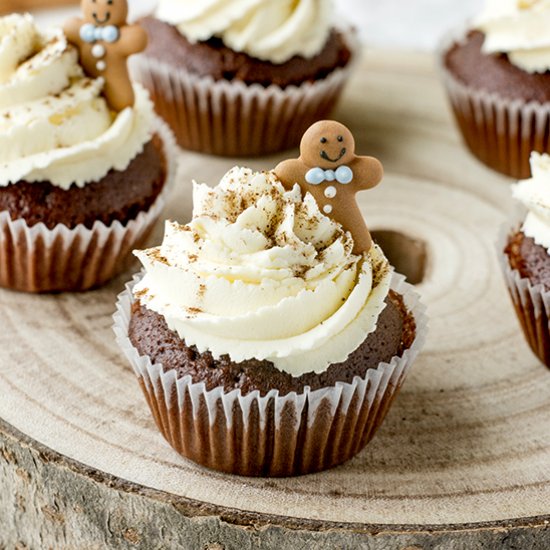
(290,172)
(71,28)
(367,173)
(133,39)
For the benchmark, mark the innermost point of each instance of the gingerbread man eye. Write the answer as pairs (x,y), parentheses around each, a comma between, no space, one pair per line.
(340,138)
(324,140)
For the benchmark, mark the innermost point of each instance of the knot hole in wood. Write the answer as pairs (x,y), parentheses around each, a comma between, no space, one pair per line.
(408,255)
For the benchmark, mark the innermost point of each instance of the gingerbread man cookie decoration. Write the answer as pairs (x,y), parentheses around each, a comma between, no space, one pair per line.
(105,41)
(329,169)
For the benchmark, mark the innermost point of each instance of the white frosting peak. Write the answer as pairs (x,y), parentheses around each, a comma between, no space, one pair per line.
(272,30)
(17,38)
(55,124)
(261,273)
(519,28)
(534,193)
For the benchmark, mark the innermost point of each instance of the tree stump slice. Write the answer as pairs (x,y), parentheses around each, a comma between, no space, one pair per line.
(462,461)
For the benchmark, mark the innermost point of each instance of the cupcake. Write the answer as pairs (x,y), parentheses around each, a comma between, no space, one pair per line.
(264,345)
(244,78)
(526,258)
(81,184)
(497,77)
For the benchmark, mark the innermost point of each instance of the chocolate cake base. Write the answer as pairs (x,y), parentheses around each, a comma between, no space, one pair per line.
(263,433)
(494,73)
(226,103)
(151,336)
(531,260)
(529,291)
(212,58)
(118,196)
(501,110)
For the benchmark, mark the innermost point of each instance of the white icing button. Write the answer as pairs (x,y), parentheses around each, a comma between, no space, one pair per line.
(327,209)
(101,65)
(330,192)
(98,50)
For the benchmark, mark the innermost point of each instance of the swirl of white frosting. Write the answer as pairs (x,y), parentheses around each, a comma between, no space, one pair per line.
(519,28)
(262,273)
(54,123)
(272,30)
(534,193)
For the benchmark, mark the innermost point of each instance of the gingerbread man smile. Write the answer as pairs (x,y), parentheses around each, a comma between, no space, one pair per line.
(329,169)
(326,157)
(102,12)
(102,21)
(333,150)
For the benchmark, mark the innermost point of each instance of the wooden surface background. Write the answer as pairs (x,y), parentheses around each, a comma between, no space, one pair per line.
(463,457)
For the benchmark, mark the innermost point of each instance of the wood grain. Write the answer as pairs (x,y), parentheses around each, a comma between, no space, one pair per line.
(463,457)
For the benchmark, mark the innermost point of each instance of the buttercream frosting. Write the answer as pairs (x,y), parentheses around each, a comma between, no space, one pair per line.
(534,193)
(272,30)
(261,273)
(55,124)
(519,28)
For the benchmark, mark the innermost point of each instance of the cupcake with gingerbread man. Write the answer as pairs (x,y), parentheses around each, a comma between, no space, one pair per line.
(85,162)
(270,335)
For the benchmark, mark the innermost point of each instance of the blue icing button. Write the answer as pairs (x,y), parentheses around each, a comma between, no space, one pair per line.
(111,33)
(315,176)
(344,175)
(87,32)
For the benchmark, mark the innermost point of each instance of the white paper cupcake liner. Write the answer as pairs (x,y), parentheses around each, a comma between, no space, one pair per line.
(531,302)
(272,435)
(500,132)
(38,259)
(234,119)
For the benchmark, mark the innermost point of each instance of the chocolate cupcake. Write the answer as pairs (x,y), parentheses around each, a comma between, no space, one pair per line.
(80,184)
(526,258)
(263,344)
(498,80)
(240,80)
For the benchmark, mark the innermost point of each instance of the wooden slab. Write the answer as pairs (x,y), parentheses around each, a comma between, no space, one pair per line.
(464,455)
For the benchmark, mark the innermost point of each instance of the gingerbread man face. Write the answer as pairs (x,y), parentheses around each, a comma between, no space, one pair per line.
(105,12)
(105,42)
(327,145)
(329,169)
